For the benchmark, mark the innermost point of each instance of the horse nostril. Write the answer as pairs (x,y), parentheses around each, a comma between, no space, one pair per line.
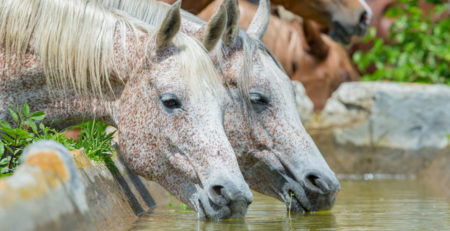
(217,189)
(364,19)
(216,193)
(316,183)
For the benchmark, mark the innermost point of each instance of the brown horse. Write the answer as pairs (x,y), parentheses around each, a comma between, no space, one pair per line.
(307,56)
(345,18)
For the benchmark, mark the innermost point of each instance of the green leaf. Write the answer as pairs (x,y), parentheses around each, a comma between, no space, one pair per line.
(10,132)
(41,126)
(26,110)
(4,170)
(4,124)
(39,115)
(13,115)
(32,125)
(2,148)
(8,139)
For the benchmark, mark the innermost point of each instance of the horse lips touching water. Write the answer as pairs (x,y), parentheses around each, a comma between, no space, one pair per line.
(276,155)
(142,80)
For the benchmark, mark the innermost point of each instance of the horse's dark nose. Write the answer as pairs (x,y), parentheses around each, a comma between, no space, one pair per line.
(321,189)
(227,199)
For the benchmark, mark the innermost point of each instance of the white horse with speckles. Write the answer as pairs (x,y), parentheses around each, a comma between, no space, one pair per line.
(75,60)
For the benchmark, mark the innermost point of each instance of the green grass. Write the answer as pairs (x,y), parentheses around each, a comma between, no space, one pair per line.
(28,128)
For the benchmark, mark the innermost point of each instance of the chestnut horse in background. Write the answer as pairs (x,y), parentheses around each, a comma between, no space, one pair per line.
(383,24)
(344,18)
(306,55)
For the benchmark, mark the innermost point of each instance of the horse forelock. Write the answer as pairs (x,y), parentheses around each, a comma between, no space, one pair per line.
(197,67)
(250,47)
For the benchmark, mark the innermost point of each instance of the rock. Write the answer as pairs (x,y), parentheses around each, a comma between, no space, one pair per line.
(44,189)
(55,190)
(304,104)
(393,115)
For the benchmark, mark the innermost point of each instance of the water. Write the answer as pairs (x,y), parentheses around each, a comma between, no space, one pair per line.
(361,205)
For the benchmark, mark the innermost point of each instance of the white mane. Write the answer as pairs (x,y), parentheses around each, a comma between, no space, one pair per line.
(75,42)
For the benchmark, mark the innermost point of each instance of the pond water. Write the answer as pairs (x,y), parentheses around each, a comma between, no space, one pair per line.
(361,205)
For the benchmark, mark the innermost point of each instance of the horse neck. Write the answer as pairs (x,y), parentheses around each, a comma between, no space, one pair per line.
(22,81)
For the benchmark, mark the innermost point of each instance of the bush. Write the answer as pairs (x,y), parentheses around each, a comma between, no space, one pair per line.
(27,128)
(418,49)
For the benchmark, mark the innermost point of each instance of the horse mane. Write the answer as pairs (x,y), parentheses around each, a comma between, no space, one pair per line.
(75,42)
(149,11)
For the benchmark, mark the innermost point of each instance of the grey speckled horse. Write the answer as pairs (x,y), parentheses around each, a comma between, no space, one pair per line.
(75,60)
(276,155)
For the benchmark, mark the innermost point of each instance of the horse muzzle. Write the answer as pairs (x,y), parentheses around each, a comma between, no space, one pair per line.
(224,199)
(342,32)
(310,191)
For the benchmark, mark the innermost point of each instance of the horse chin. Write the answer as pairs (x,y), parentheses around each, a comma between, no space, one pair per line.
(295,199)
(344,33)
(295,206)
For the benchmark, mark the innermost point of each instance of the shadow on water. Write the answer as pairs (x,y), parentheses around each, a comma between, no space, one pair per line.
(362,205)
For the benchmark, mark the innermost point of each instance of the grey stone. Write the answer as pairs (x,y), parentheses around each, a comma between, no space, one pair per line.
(394,115)
(305,106)
(71,192)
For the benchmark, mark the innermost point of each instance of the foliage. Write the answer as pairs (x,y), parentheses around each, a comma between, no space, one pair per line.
(25,130)
(28,128)
(94,140)
(418,49)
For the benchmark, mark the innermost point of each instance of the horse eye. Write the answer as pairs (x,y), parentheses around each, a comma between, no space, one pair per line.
(170,101)
(259,101)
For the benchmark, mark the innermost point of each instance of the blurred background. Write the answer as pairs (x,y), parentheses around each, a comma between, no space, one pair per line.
(407,41)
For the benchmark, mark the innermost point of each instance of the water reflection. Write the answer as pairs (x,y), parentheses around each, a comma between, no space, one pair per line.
(362,205)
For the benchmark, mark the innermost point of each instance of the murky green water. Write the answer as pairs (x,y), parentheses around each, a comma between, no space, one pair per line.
(361,205)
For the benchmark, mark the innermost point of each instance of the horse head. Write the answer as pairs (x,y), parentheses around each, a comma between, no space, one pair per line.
(171,128)
(275,153)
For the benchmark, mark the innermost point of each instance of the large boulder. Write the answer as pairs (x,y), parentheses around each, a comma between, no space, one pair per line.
(393,115)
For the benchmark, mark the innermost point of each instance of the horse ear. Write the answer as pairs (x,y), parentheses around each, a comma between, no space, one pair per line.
(212,32)
(260,21)
(232,27)
(169,27)
(317,46)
